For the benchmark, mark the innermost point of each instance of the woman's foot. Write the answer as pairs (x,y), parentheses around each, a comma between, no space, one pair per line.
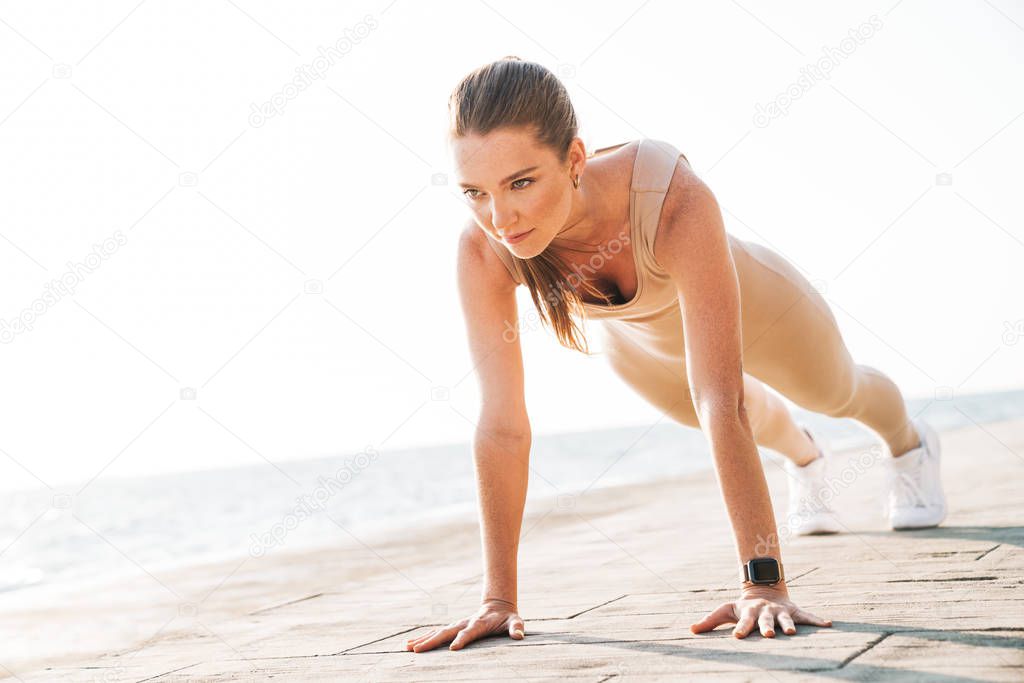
(916,499)
(809,512)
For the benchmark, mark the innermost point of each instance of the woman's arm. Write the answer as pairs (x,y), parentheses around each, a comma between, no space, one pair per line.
(693,247)
(501,443)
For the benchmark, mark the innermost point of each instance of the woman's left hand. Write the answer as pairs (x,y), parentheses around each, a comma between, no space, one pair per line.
(763,606)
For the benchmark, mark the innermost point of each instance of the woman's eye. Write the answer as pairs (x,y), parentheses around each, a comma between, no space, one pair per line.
(515,186)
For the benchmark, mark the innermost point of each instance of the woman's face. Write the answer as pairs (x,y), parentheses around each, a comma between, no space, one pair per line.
(516,187)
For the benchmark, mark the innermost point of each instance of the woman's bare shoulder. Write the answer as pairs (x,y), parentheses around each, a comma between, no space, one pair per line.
(685,188)
(613,174)
(476,253)
(626,149)
(617,159)
(690,210)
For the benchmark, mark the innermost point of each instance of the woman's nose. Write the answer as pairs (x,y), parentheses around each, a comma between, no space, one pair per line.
(502,220)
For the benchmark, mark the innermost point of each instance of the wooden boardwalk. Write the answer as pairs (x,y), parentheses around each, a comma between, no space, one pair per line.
(609,584)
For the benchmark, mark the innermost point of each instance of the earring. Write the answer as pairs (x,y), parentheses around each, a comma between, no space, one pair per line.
(576,182)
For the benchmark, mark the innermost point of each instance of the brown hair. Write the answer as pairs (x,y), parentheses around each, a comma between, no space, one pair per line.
(512,93)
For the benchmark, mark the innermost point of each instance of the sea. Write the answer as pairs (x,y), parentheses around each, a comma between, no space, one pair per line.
(118,527)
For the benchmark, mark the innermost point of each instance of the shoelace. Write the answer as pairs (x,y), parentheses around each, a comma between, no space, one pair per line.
(906,488)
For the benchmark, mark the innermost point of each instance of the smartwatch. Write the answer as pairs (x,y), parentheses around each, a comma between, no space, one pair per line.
(762,571)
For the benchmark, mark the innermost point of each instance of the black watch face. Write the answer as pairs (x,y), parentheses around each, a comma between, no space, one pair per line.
(764,571)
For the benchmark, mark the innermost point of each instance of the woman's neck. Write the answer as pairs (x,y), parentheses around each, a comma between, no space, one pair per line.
(594,217)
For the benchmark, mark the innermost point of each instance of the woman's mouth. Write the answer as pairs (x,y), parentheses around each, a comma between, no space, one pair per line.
(518,237)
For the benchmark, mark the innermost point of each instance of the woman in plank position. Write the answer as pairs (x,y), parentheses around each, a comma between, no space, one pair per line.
(696,320)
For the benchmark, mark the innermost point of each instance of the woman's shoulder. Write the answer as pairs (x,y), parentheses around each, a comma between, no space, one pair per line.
(622,149)
(493,256)
(612,168)
(645,164)
(617,158)
(689,209)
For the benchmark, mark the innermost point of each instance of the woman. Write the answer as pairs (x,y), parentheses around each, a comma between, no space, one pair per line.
(695,320)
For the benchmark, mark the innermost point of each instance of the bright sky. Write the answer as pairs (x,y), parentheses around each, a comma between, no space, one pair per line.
(296,271)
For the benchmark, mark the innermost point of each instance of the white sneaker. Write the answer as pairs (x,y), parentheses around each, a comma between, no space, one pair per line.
(916,499)
(809,513)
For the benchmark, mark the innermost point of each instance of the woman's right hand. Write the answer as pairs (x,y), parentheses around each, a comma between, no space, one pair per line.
(494,617)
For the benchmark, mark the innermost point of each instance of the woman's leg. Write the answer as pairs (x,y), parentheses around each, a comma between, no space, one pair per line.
(791,342)
(773,425)
(665,387)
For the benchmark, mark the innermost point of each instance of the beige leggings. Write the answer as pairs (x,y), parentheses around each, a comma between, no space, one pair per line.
(791,342)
